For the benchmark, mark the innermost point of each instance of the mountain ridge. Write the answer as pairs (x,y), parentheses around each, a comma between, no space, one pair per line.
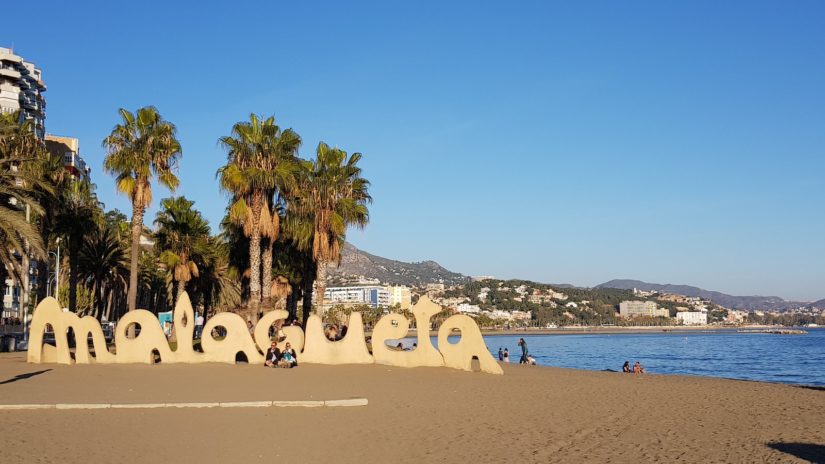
(356,262)
(359,263)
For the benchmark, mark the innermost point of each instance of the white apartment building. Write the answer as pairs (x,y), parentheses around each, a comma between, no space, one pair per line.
(375,296)
(641,308)
(400,295)
(21,88)
(467,308)
(692,317)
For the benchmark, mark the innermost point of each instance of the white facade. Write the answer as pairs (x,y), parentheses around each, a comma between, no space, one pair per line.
(467,308)
(374,296)
(641,308)
(400,295)
(21,88)
(692,318)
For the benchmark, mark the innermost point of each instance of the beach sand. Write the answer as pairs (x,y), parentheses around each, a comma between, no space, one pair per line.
(531,414)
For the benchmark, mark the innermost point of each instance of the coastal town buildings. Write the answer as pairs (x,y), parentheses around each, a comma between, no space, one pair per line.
(69,149)
(400,295)
(21,89)
(375,296)
(692,318)
(466,308)
(629,309)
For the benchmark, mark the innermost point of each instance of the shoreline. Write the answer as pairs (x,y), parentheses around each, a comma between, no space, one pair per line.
(599,330)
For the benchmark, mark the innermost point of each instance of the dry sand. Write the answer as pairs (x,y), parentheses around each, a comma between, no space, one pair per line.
(531,414)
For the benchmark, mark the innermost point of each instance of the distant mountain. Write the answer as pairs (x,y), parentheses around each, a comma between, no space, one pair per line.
(819,304)
(355,262)
(723,299)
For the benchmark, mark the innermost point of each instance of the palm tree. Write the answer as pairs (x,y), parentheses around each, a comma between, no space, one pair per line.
(77,213)
(260,160)
(103,265)
(182,234)
(335,196)
(142,145)
(19,185)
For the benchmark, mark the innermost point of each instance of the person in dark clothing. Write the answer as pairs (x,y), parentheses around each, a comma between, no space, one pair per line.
(273,355)
(523,346)
(500,354)
(626,367)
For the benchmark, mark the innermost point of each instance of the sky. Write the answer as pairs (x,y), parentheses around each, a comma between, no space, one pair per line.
(575,142)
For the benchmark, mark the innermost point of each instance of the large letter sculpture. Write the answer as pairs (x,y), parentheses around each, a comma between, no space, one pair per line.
(150,341)
(460,355)
(352,349)
(395,326)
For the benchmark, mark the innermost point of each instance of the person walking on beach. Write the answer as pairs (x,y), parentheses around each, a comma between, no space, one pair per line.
(523,346)
(506,356)
(500,354)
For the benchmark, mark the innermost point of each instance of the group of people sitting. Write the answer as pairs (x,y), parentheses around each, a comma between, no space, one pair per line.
(277,358)
(636,369)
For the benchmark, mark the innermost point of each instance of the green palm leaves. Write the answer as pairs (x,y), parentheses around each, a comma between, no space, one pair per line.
(143,144)
(183,235)
(261,164)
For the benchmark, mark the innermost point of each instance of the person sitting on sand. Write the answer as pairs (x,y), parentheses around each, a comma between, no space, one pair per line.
(626,367)
(638,369)
(399,346)
(273,355)
(289,358)
(506,356)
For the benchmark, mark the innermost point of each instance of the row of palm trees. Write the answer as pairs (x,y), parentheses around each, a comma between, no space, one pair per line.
(285,222)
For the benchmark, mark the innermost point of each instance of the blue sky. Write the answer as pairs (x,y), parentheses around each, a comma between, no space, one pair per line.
(577,142)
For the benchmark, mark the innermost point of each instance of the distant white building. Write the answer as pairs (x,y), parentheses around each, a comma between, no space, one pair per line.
(641,308)
(692,318)
(467,308)
(374,296)
(400,295)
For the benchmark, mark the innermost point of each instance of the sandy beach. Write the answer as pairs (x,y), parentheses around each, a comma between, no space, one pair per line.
(531,414)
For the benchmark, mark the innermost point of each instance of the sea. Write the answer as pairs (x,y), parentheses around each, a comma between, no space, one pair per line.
(792,359)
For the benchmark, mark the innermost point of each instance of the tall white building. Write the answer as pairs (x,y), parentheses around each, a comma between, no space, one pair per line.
(641,308)
(400,295)
(692,317)
(372,295)
(21,88)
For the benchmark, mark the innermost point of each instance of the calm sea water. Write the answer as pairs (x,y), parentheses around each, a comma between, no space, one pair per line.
(796,359)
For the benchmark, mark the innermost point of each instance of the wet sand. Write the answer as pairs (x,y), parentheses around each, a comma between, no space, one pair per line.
(531,414)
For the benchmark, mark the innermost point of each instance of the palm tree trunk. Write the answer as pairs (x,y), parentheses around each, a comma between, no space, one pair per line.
(255,272)
(181,289)
(292,302)
(74,248)
(137,228)
(42,279)
(255,256)
(321,285)
(266,283)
